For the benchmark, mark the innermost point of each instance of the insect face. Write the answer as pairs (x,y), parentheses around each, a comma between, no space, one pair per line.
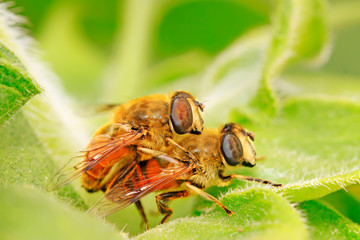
(185,113)
(236,145)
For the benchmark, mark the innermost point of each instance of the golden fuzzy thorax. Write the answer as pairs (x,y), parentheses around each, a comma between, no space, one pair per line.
(205,148)
(150,112)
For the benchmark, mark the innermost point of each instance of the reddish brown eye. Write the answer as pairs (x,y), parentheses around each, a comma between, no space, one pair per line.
(181,115)
(183,94)
(231,149)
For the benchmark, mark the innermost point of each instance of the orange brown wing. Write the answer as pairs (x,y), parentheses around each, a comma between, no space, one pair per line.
(101,150)
(135,185)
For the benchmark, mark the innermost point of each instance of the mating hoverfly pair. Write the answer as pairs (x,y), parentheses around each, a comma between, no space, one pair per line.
(158,143)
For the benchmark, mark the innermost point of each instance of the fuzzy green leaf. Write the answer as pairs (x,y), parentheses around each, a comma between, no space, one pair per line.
(25,159)
(300,32)
(16,87)
(28,213)
(259,214)
(310,147)
(295,37)
(325,223)
(354,191)
(321,83)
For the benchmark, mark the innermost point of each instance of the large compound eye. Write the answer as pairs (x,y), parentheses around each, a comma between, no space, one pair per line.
(183,94)
(231,149)
(181,115)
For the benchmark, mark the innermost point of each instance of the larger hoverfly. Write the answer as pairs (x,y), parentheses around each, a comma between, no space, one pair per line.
(147,122)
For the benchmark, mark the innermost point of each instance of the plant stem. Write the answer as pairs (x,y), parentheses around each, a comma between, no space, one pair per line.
(131,50)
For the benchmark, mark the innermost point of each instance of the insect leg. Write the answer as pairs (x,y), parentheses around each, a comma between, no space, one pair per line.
(105,107)
(142,213)
(261,158)
(163,199)
(228,179)
(158,154)
(149,151)
(181,148)
(209,197)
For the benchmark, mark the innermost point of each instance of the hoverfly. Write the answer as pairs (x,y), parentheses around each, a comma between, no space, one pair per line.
(145,122)
(193,163)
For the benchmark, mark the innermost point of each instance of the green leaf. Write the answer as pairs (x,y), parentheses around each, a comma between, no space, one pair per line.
(38,136)
(325,223)
(319,187)
(354,191)
(31,214)
(239,80)
(340,74)
(310,147)
(344,203)
(321,83)
(259,214)
(300,32)
(16,87)
(24,159)
(310,155)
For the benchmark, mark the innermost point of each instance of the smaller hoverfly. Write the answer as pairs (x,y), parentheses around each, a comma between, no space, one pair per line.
(192,162)
(144,122)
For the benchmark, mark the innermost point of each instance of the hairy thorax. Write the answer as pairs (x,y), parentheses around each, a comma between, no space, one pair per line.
(150,113)
(205,149)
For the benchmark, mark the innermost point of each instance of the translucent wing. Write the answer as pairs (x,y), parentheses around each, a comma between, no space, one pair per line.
(103,148)
(93,110)
(135,185)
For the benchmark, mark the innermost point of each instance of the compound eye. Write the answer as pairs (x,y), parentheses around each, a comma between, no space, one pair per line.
(231,149)
(181,115)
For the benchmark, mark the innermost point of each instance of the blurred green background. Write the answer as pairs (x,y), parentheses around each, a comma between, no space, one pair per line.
(112,51)
(89,34)
(92,36)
